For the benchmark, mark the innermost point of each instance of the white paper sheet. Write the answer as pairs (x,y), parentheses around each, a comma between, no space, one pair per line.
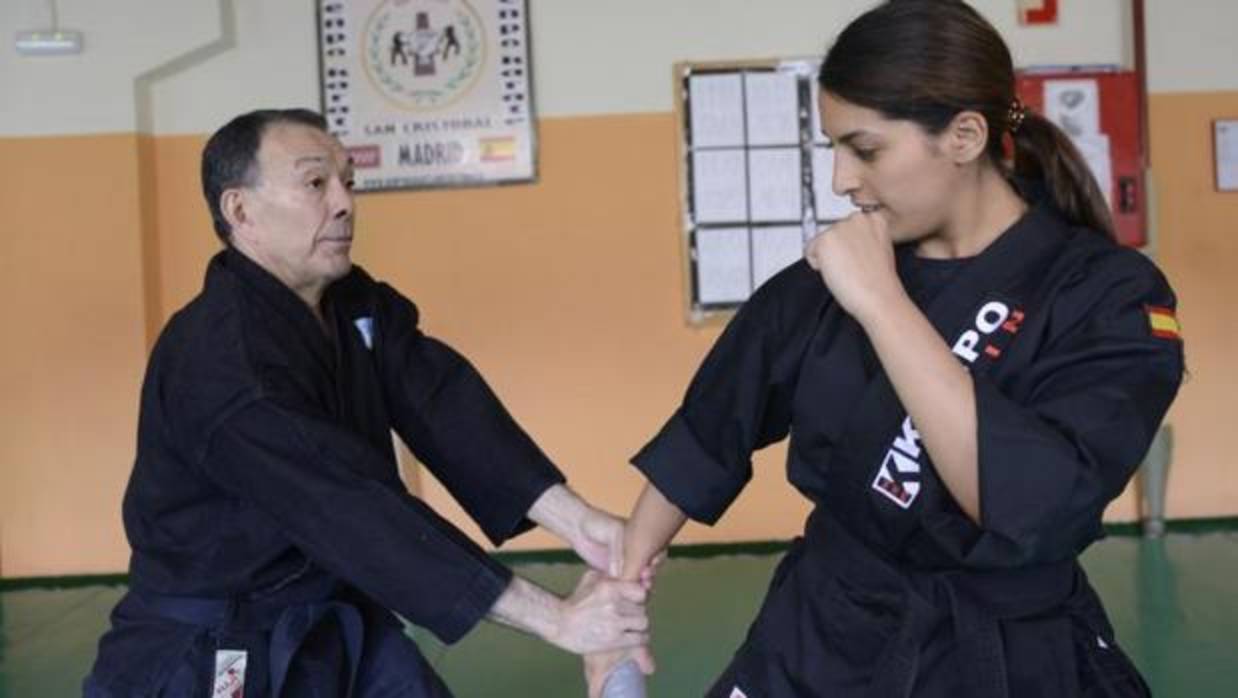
(1226,143)
(717,110)
(723,271)
(772,107)
(775,182)
(719,186)
(829,205)
(1095,150)
(1074,105)
(774,248)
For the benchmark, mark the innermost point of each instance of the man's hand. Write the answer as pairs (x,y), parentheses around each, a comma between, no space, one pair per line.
(598,540)
(595,535)
(602,615)
(601,541)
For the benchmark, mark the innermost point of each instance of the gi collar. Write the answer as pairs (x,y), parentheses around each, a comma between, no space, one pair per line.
(283,301)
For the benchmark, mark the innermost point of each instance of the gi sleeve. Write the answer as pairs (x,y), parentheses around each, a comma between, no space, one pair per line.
(305,473)
(739,400)
(454,423)
(1050,464)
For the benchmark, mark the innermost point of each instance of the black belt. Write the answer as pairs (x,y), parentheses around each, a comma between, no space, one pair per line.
(289,615)
(976,601)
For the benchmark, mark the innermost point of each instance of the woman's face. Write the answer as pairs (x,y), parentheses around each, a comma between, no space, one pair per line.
(892,166)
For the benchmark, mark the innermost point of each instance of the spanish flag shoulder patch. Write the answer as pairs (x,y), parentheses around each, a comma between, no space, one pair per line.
(1163,322)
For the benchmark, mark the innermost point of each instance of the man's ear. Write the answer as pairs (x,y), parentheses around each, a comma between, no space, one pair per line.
(232,206)
(966,137)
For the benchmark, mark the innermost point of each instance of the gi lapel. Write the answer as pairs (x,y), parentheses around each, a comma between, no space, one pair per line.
(885,469)
(291,318)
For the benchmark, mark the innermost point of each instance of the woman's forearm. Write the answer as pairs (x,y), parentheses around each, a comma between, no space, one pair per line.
(652,525)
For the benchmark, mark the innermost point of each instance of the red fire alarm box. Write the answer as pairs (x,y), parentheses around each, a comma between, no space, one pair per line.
(1113,114)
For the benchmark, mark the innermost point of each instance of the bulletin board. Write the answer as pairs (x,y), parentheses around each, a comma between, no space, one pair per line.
(755,176)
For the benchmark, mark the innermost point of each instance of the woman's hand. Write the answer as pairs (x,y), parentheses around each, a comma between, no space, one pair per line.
(855,257)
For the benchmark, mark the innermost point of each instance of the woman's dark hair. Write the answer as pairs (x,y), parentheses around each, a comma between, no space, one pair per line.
(230,158)
(928,60)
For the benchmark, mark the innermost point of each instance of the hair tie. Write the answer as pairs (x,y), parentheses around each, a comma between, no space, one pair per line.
(1015,116)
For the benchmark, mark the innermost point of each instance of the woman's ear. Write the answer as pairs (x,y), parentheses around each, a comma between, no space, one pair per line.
(966,137)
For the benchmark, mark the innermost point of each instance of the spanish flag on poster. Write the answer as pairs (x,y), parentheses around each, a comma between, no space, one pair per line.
(498,149)
(1164,323)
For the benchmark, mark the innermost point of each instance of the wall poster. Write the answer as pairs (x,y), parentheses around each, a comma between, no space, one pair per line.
(429,93)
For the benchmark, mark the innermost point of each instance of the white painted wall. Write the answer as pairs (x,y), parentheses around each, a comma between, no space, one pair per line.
(92,92)
(1192,45)
(599,57)
(274,64)
(590,56)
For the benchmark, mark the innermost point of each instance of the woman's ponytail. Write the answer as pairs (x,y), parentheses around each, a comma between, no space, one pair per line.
(1043,152)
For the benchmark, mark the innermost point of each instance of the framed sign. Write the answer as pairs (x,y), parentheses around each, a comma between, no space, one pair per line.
(429,93)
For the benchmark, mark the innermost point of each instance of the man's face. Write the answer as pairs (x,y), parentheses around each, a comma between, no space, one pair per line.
(889,165)
(297,220)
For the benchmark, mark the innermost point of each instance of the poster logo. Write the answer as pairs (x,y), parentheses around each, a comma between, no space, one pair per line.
(990,332)
(423,55)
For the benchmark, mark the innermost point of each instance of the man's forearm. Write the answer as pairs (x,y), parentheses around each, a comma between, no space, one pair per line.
(560,511)
(595,535)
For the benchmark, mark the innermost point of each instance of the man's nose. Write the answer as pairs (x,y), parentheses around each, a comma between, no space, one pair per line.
(341,199)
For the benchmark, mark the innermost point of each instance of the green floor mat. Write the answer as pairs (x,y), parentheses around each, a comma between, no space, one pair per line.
(1174,604)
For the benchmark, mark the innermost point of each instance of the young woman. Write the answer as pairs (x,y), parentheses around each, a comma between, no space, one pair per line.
(969,369)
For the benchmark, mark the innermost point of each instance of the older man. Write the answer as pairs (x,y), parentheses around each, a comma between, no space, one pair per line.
(271,534)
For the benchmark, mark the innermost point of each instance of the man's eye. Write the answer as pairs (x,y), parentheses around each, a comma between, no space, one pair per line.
(350,183)
(867,155)
(317,182)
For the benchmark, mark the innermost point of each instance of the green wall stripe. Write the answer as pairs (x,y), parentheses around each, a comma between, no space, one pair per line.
(698,550)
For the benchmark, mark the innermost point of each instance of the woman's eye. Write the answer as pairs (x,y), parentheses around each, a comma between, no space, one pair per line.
(866,154)
(316,183)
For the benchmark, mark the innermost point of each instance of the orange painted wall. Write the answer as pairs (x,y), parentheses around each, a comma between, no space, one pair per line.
(72,355)
(1198,243)
(566,293)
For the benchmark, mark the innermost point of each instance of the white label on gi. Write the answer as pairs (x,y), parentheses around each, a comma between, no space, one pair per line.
(229,674)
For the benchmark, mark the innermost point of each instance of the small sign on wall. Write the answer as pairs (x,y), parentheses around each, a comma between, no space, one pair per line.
(1037,11)
(1225,153)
